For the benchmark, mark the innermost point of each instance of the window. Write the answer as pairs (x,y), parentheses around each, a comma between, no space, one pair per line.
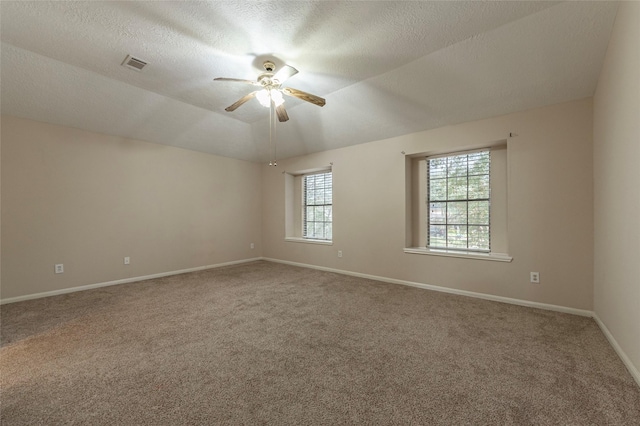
(458,199)
(308,206)
(317,206)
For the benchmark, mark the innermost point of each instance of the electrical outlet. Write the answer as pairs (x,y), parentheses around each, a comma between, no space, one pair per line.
(253,246)
(127,260)
(59,268)
(339,253)
(535,277)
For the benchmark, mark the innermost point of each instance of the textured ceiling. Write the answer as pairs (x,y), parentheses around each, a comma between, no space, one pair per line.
(386,68)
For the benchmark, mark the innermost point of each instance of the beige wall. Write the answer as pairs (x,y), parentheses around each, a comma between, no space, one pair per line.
(617,184)
(87,200)
(550,208)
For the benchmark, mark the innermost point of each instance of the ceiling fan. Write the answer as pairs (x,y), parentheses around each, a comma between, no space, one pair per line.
(272,90)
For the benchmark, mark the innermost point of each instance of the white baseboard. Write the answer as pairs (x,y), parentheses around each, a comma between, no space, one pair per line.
(509,300)
(122,281)
(623,356)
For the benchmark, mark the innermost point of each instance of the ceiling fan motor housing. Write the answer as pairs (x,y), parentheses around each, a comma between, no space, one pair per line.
(269,66)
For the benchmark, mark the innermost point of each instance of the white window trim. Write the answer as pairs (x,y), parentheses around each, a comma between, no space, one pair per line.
(308,241)
(496,257)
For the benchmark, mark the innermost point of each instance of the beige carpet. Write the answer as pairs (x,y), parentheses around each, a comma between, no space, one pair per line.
(265,343)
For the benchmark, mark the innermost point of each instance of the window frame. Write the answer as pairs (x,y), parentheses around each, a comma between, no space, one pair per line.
(323,205)
(450,201)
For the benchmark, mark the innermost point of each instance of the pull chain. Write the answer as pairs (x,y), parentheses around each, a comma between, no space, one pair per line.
(275,138)
(272,134)
(271,129)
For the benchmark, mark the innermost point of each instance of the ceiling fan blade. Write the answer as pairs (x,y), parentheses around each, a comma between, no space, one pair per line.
(282,113)
(237,80)
(285,73)
(241,101)
(316,100)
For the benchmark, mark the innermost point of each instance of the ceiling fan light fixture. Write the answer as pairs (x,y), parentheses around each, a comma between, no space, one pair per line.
(270,96)
(265,96)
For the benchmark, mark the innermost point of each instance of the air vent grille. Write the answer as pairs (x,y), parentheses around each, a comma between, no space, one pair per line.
(133,63)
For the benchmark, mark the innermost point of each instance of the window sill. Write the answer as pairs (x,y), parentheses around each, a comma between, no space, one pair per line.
(496,257)
(308,241)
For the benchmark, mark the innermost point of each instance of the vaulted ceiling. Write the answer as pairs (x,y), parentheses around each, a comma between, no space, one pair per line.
(386,68)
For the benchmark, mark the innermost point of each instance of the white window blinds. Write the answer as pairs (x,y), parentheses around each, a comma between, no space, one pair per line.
(318,206)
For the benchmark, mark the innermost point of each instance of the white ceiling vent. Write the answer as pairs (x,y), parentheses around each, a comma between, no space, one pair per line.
(133,63)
